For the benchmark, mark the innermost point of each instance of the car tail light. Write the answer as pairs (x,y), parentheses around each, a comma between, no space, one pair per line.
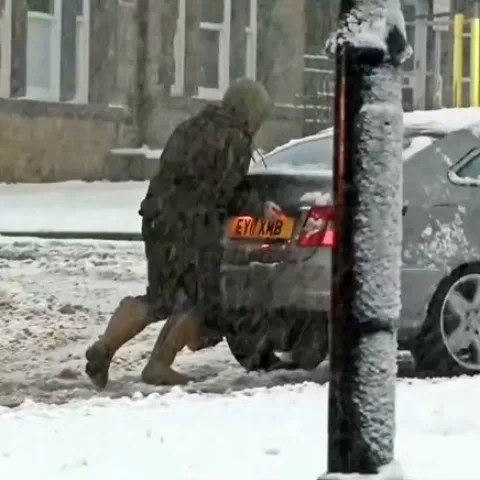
(317,230)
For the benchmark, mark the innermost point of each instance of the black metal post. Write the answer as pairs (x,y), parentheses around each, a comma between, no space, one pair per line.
(368,215)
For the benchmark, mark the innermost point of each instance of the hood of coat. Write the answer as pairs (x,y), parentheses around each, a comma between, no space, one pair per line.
(249,103)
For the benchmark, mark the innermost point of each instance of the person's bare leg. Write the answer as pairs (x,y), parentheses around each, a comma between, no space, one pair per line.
(128,320)
(180,330)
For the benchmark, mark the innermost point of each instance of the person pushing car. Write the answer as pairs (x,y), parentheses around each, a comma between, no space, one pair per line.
(201,182)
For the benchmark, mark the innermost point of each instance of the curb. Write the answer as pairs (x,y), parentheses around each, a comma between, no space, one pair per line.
(113,236)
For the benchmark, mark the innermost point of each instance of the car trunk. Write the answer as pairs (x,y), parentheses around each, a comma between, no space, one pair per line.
(249,240)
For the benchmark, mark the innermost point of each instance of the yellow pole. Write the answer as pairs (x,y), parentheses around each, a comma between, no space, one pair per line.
(458,21)
(475,62)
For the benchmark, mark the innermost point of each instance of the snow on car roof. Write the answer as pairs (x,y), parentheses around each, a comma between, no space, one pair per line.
(442,121)
(328,132)
(421,123)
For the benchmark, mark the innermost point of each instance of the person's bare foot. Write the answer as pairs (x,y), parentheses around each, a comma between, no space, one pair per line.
(158,374)
(98,364)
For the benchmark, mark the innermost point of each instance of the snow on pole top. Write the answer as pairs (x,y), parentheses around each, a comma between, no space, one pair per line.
(373,24)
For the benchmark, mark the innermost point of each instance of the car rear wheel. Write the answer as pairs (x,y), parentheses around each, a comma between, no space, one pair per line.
(449,341)
(279,340)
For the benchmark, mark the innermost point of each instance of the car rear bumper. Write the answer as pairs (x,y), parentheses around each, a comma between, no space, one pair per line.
(274,286)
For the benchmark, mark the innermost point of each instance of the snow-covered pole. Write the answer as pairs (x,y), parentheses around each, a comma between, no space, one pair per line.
(369,47)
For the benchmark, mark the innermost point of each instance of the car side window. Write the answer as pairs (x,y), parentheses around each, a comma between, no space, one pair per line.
(313,154)
(471,169)
(466,172)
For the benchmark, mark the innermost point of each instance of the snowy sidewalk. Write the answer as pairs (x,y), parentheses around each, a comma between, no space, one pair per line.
(276,434)
(72,207)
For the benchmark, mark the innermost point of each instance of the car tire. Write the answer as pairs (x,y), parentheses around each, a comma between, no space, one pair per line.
(444,345)
(257,339)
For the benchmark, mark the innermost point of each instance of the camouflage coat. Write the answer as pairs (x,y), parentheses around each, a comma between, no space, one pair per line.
(202,179)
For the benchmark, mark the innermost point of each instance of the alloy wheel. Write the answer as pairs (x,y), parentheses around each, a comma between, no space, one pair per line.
(460,321)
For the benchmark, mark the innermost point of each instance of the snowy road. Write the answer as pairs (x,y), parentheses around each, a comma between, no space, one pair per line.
(261,434)
(55,298)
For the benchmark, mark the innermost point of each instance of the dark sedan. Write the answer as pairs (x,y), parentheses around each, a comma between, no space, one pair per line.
(276,276)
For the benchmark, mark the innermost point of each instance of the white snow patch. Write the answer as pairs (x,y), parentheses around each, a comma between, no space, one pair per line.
(441,242)
(445,157)
(443,121)
(72,206)
(328,132)
(259,434)
(11,294)
(118,105)
(369,25)
(145,150)
(287,169)
(416,145)
(428,123)
(454,178)
(316,198)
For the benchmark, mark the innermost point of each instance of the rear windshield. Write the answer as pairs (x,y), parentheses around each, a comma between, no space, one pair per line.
(310,155)
(288,190)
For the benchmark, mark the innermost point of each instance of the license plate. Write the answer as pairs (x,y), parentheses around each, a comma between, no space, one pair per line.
(251,228)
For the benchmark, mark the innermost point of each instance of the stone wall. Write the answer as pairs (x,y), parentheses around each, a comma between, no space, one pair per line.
(57,142)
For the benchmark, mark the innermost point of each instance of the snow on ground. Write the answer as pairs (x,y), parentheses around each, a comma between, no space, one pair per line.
(71,206)
(55,299)
(260,434)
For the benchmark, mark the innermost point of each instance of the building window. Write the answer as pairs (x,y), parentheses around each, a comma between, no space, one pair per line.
(218,21)
(215,27)
(43,49)
(57,50)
